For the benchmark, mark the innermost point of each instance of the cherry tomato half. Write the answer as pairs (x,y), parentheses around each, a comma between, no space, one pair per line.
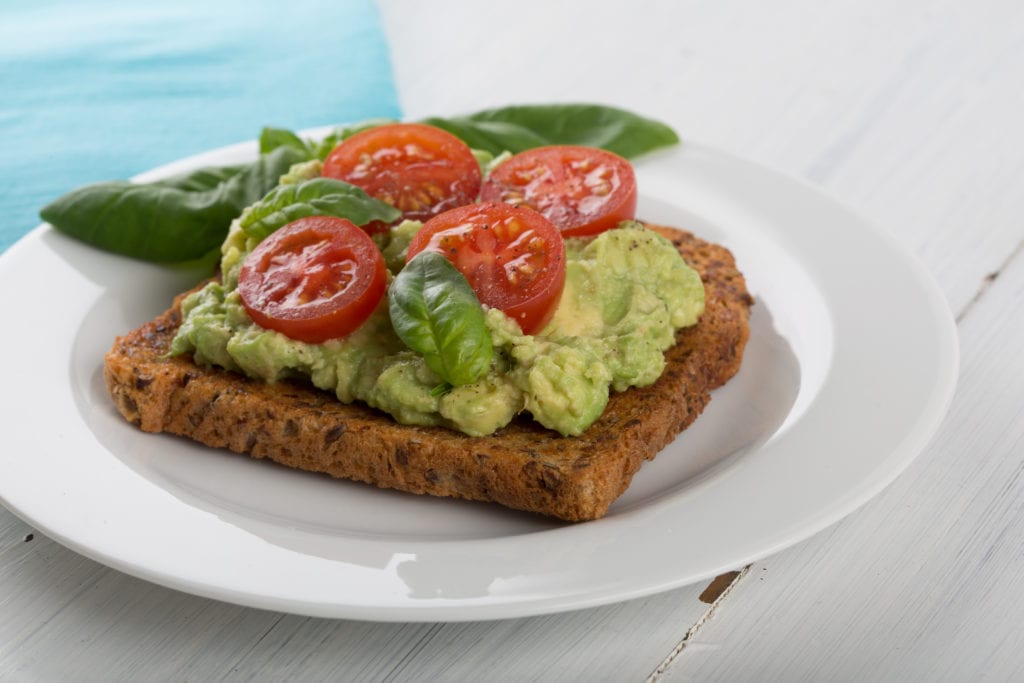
(513,258)
(582,190)
(419,169)
(315,279)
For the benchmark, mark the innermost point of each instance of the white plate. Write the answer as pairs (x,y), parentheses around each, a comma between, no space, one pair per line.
(851,365)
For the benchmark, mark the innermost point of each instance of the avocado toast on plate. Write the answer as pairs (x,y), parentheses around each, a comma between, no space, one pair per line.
(409,312)
(523,466)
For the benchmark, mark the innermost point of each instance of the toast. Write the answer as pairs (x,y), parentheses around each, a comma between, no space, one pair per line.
(522,466)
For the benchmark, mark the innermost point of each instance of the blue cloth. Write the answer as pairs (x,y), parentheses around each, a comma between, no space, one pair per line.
(104,90)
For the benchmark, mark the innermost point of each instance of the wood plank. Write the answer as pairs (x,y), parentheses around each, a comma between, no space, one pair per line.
(908,111)
(926,582)
(65,614)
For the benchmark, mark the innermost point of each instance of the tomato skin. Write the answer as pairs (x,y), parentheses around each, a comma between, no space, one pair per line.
(582,190)
(513,258)
(315,279)
(421,170)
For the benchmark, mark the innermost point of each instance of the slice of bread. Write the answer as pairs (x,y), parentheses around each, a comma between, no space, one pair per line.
(522,466)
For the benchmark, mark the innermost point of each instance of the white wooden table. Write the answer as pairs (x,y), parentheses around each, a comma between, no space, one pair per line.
(912,112)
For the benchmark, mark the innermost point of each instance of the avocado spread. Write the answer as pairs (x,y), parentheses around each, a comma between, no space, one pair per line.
(626,293)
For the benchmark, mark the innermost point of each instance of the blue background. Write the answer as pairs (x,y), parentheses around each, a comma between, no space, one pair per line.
(104,90)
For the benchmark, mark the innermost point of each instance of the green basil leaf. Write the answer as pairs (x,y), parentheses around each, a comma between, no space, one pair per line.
(440,390)
(314,197)
(523,127)
(324,146)
(177,219)
(201,179)
(272,138)
(436,313)
(491,136)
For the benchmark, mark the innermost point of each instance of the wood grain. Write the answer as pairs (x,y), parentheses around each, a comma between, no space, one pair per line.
(926,582)
(65,614)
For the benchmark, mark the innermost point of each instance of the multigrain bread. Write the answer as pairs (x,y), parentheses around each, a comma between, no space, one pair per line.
(522,466)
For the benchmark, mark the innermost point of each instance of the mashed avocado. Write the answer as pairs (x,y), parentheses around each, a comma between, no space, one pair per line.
(626,293)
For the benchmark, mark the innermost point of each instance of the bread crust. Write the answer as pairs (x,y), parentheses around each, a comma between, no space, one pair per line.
(522,466)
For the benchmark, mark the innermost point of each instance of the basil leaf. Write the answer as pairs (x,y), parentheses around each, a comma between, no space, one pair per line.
(201,179)
(491,136)
(324,146)
(177,219)
(314,197)
(523,127)
(272,138)
(440,390)
(436,313)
